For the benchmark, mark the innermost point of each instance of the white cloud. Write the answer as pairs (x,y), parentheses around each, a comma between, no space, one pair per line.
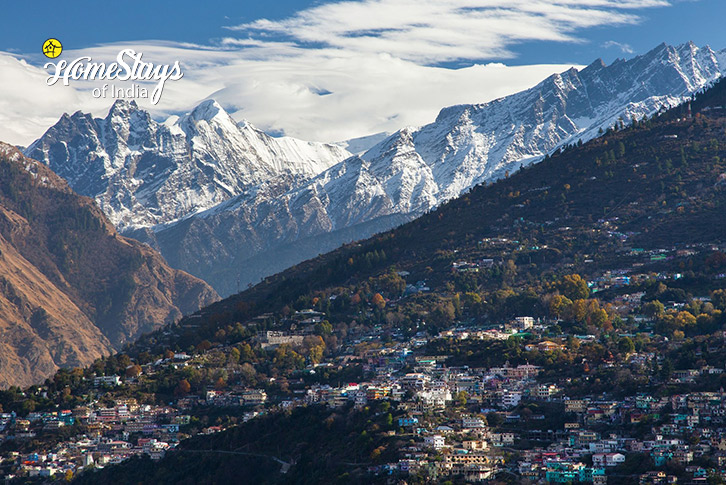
(334,71)
(624,48)
(432,31)
(26,103)
(311,96)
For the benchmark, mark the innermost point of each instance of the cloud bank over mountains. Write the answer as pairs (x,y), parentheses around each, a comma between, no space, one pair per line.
(333,71)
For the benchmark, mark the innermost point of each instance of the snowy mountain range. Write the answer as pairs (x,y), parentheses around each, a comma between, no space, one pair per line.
(143,173)
(230,204)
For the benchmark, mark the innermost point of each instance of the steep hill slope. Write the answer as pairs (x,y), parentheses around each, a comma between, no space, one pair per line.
(416,169)
(657,185)
(72,289)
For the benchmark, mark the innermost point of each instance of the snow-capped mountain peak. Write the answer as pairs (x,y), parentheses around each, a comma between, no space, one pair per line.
(211,113)
(468,144)
(143,173)
(207,110)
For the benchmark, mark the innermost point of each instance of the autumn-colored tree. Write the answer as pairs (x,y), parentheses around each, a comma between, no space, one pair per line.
(579,311)
(653,308)
(133,370)
(509,272)
(716,260)
(472,298)
(391,283)
(376,453)
(685,319)
(559,305)
(288,359)
(183,388)
(574,287)
(246,354)
(378,301)
(316,354)
(323,328)
(626,345)
(234,355)
(573,343)
(143,358)
(204,345)
(123,361)
(315,346)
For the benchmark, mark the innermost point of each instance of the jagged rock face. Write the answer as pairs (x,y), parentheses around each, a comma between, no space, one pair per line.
(143,173)
(71,288)
(271,224)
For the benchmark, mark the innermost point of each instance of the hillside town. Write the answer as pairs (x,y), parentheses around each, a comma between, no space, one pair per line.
(475,423)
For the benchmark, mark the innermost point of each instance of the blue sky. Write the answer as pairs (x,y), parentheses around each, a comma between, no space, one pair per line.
(328,71)
(95,23)
(701,21)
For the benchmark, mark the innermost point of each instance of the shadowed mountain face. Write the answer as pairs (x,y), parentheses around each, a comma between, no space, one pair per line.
(71,288)
(278,216)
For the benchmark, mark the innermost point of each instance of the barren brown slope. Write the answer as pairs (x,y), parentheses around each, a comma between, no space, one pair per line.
(71,288)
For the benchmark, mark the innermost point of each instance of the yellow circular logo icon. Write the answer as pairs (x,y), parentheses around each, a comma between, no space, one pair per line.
(52,48)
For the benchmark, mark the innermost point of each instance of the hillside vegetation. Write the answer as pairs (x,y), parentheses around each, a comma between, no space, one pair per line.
(72,289)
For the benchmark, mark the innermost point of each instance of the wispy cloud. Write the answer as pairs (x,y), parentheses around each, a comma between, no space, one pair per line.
(432,31)
(337,70)
(27,104)
(624,48)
